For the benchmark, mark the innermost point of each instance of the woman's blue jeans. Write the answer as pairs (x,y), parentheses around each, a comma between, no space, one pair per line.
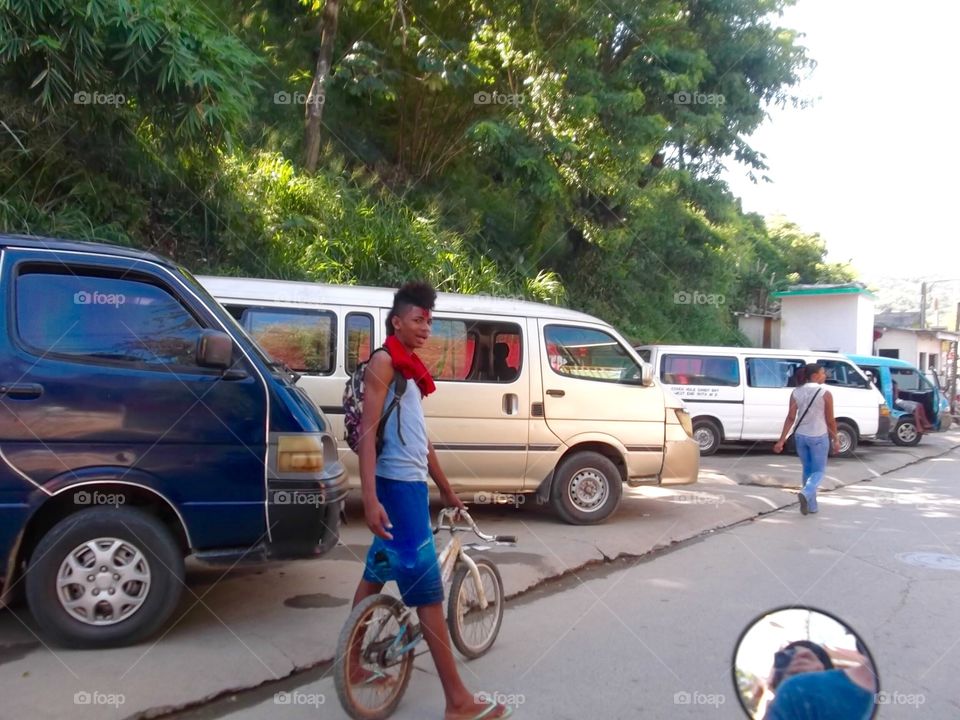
(813,452)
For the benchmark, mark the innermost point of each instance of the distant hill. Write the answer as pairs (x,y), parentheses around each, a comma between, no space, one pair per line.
(903,295)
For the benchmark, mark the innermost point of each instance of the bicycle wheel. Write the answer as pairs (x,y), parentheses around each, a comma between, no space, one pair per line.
(370,682)
(473,629)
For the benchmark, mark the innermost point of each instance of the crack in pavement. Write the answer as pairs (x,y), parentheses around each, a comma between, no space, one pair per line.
(213,706)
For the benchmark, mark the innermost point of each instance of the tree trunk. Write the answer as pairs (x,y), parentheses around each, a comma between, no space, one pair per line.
(318,90)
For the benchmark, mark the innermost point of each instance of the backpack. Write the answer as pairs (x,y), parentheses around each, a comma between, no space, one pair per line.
(353,405)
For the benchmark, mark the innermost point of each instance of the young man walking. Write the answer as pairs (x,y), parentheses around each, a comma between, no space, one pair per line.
(816,432)
(395,496)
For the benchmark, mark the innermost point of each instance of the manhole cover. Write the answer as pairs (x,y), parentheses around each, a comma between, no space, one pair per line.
(937,561)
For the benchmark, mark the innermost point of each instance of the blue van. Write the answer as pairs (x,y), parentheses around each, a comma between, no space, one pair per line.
(139,424)
(912,384)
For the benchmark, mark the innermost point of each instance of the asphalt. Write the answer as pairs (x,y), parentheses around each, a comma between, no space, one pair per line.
(243,632)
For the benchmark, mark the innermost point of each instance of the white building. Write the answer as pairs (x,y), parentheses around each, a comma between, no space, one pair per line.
(835,318)
(927,349)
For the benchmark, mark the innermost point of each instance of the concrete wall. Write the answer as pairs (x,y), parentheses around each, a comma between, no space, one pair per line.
(910,345)
(843,323)
(752,327)
(865,314)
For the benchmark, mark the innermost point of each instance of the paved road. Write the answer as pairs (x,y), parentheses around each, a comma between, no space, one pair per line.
(242,627)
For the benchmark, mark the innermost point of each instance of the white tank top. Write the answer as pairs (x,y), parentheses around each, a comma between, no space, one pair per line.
(814,423)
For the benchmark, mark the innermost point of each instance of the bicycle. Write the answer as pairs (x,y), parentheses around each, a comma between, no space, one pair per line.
(387,632)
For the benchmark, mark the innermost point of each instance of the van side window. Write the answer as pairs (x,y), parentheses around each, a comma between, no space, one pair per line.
(700,370)
(104,318)
(906,379)
(467,350)
(773,372)
(358,339)
(303,339)
(589,354)
(448,354)
(841,374)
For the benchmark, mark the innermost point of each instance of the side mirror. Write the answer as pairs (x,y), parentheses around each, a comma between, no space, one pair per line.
(646,375)
(215,350)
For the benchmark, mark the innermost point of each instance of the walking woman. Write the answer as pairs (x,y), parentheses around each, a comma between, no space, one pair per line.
(816,432)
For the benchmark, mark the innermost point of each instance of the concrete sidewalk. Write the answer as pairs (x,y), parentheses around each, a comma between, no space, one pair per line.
(242,627)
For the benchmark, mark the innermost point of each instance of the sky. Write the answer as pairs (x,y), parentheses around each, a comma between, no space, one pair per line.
(872,165)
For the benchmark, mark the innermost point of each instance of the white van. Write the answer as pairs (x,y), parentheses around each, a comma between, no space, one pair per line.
(743,393)
(531,398)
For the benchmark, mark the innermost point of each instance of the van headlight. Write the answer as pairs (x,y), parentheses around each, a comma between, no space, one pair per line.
(299,453)
(884,410)
(683,417)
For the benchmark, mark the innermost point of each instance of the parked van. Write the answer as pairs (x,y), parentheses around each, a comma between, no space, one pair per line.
(743,393)
(912,385)
(139,424)
(531,398)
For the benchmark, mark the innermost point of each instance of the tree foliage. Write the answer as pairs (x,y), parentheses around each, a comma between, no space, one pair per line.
(569,151)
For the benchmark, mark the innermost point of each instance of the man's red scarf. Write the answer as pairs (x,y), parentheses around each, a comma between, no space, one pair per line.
(409,365)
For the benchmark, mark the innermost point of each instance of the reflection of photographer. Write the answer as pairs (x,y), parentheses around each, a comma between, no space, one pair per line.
(814,682)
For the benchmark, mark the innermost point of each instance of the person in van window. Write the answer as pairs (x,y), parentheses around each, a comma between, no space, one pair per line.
(395,497)
(914,408)
(815,433)
(501,371)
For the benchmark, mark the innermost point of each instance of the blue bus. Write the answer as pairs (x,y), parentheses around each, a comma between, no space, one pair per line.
(139,425)
(912,385)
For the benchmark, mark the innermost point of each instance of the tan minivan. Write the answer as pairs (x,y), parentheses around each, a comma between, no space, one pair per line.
(531,398)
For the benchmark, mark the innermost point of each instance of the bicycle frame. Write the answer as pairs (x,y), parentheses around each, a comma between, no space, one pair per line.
(452,553)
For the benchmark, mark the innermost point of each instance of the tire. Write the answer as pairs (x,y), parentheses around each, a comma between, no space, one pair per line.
(708,436)
(128,541)
(473,630)
(847,434)
(586,488)
(369,610)
(905,433)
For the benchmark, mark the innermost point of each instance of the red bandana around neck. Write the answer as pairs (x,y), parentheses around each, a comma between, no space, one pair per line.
(409,365)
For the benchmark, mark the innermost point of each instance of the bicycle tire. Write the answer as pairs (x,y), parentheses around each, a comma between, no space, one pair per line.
(463,602)
(349,693)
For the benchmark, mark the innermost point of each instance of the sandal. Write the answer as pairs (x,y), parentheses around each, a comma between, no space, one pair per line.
(487,712)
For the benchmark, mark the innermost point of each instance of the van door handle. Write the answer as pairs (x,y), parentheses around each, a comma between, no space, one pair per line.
(556,393)
(511,404)
(21,391)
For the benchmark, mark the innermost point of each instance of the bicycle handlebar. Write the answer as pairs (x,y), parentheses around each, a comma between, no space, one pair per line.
(448,517)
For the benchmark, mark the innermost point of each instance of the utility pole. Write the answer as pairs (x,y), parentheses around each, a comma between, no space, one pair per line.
(923,305)
(955,350)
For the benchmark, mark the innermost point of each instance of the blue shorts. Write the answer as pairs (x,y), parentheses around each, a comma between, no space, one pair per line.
(410,559)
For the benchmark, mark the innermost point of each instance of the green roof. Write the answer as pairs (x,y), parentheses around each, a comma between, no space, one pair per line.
(824,290)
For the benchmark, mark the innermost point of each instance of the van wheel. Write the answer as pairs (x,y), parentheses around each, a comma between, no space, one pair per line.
(905,433)
(707,434)
(587,488)
(847,435)
(104,577)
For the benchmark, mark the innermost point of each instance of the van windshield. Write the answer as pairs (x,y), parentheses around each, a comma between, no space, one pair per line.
(235,326)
